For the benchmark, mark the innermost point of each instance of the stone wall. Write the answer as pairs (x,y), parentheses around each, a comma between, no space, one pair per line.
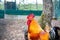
(55,23)
(48,10)
(18,17)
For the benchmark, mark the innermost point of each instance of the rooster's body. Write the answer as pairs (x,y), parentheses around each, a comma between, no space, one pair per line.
(35,32)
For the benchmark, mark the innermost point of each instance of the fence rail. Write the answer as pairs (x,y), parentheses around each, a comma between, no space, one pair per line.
(19,12)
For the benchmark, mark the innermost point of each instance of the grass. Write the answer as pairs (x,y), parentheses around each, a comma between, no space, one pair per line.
(1,6)
(30,7)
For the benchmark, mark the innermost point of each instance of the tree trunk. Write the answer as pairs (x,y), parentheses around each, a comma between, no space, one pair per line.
(48,10)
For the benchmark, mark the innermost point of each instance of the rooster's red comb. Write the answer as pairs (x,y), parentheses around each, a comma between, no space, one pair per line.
(30,15)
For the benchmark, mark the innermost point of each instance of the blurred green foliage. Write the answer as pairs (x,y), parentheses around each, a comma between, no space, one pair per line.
(42,21)
(30,7)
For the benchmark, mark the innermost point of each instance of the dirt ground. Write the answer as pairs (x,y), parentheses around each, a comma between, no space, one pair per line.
(13,29)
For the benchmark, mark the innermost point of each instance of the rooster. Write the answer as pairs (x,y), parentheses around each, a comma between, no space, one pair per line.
(35,32)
